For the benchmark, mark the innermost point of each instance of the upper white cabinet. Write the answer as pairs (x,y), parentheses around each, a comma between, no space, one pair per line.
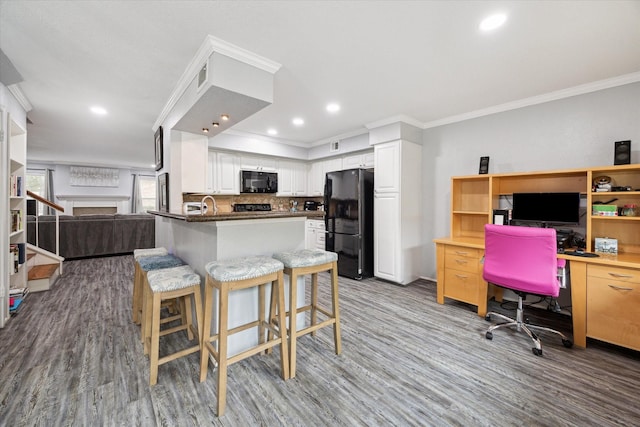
(318,172)
(292,178)
(388,168)
(223,173)
(258,163)
(357,161)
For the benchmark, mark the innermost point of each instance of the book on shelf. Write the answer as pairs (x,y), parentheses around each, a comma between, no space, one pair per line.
(14,258)
(15,186)
(17,302)
(16,220)
(18,292)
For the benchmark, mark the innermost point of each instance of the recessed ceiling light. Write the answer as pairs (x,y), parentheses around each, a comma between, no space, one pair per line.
(152,165)
(272,131)
(298,121)
(215,124)
(98,110)
(493,21)
(224,117)
(205,130)
(333,107)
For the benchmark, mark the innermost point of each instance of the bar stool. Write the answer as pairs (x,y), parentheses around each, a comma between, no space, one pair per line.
(146,265)
(228,276)
(303,262)
(137,278)
(169,283)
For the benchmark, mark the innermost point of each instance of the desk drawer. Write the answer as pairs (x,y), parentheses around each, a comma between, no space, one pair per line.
(462,259)
(612,307)
(614,273)
(461,286)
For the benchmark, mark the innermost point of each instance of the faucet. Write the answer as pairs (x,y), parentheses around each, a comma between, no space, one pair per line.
(213,202)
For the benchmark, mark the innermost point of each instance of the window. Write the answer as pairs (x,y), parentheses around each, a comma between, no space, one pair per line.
(36,184)
(147,190)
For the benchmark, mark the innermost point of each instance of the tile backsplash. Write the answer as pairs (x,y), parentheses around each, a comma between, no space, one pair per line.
(225,203)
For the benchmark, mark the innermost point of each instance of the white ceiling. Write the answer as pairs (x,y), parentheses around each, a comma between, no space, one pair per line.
(425,60)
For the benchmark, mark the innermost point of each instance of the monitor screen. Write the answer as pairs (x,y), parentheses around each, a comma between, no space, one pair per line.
(557,208)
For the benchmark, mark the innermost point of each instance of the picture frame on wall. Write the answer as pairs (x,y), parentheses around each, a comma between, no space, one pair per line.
(163,192)
(159,148)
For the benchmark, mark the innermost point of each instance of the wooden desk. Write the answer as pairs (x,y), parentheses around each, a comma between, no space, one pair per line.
(605,291)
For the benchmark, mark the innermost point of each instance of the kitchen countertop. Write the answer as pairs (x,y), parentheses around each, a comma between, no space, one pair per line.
(240,215)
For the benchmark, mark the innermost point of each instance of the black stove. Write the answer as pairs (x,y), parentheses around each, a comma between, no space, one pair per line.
(252,207)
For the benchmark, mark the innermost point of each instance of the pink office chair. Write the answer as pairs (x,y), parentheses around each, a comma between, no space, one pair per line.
(524,260)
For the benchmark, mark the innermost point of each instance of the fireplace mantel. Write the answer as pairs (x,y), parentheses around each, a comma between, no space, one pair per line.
(75,204)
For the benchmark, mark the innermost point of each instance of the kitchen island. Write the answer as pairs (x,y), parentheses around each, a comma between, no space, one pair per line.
(199,239)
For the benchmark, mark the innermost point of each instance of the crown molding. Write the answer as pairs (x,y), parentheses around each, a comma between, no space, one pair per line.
(207,48)
(351,134)
(540,99)
(17,93)
(395,119)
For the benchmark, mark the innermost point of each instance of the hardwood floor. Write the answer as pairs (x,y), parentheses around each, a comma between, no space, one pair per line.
(72,357)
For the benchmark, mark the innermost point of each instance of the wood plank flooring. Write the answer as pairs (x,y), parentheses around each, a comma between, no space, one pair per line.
(72,357)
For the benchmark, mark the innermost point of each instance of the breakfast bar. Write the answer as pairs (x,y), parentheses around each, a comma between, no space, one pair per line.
(199,239)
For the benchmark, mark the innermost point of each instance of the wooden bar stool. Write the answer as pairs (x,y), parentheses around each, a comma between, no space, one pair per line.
(228,276)
(146,265)
(169,283)
(137,278)
(303,262)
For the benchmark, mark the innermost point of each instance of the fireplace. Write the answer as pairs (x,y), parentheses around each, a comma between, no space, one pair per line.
(75,204)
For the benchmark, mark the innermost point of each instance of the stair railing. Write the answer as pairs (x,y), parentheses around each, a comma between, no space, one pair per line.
(57,208)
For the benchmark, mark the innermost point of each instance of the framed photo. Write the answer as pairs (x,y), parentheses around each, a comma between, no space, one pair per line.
(484,165)
(159,148)
(163,192)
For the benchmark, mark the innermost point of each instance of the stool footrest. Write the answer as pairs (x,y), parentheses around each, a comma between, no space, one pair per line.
(178,354)
(315,327)
(170,318)
(253,350)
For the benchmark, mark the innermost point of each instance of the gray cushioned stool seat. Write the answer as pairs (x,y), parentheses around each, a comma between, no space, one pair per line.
(170,279)
(232,270)
(305,257)
(157,262)
(139,253)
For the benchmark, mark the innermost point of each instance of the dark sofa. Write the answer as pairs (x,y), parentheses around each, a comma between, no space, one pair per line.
(93,235)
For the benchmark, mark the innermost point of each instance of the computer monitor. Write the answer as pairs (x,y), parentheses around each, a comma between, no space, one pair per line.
(547,208)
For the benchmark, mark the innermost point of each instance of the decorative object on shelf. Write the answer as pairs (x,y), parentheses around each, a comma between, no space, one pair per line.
(80,176)
(484,165)
(604,210)
(159,148)
(602,184)
(630,209)
(622,153)
(501,216)
(606,245)
(163,192)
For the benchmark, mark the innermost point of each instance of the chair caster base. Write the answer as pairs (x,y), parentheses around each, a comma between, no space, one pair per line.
(488,335)
(537,351)
(567,343)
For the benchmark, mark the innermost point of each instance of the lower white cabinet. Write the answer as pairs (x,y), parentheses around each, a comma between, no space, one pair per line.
(315,237)
(223,173)
(386,236)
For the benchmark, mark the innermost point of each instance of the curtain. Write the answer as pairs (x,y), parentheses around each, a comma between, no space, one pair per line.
(49,192)
(136,196)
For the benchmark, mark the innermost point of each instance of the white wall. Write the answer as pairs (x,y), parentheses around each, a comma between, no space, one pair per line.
(62,186)
(573,132)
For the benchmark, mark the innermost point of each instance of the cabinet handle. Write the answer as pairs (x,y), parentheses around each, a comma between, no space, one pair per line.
(461,276)
(621,276)
(620,288)
(461,261)
(461,253)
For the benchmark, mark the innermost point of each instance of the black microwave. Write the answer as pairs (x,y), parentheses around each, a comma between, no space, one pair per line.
(258,182)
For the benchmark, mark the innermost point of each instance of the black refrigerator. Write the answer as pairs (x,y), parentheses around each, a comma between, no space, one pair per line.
(348,201)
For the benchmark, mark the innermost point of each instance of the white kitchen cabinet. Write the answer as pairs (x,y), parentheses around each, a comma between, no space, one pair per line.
(292,178)
(359,161)
(223,173)
(388,168)
(318,173)
(397,218)
(267,164)
(315,237)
